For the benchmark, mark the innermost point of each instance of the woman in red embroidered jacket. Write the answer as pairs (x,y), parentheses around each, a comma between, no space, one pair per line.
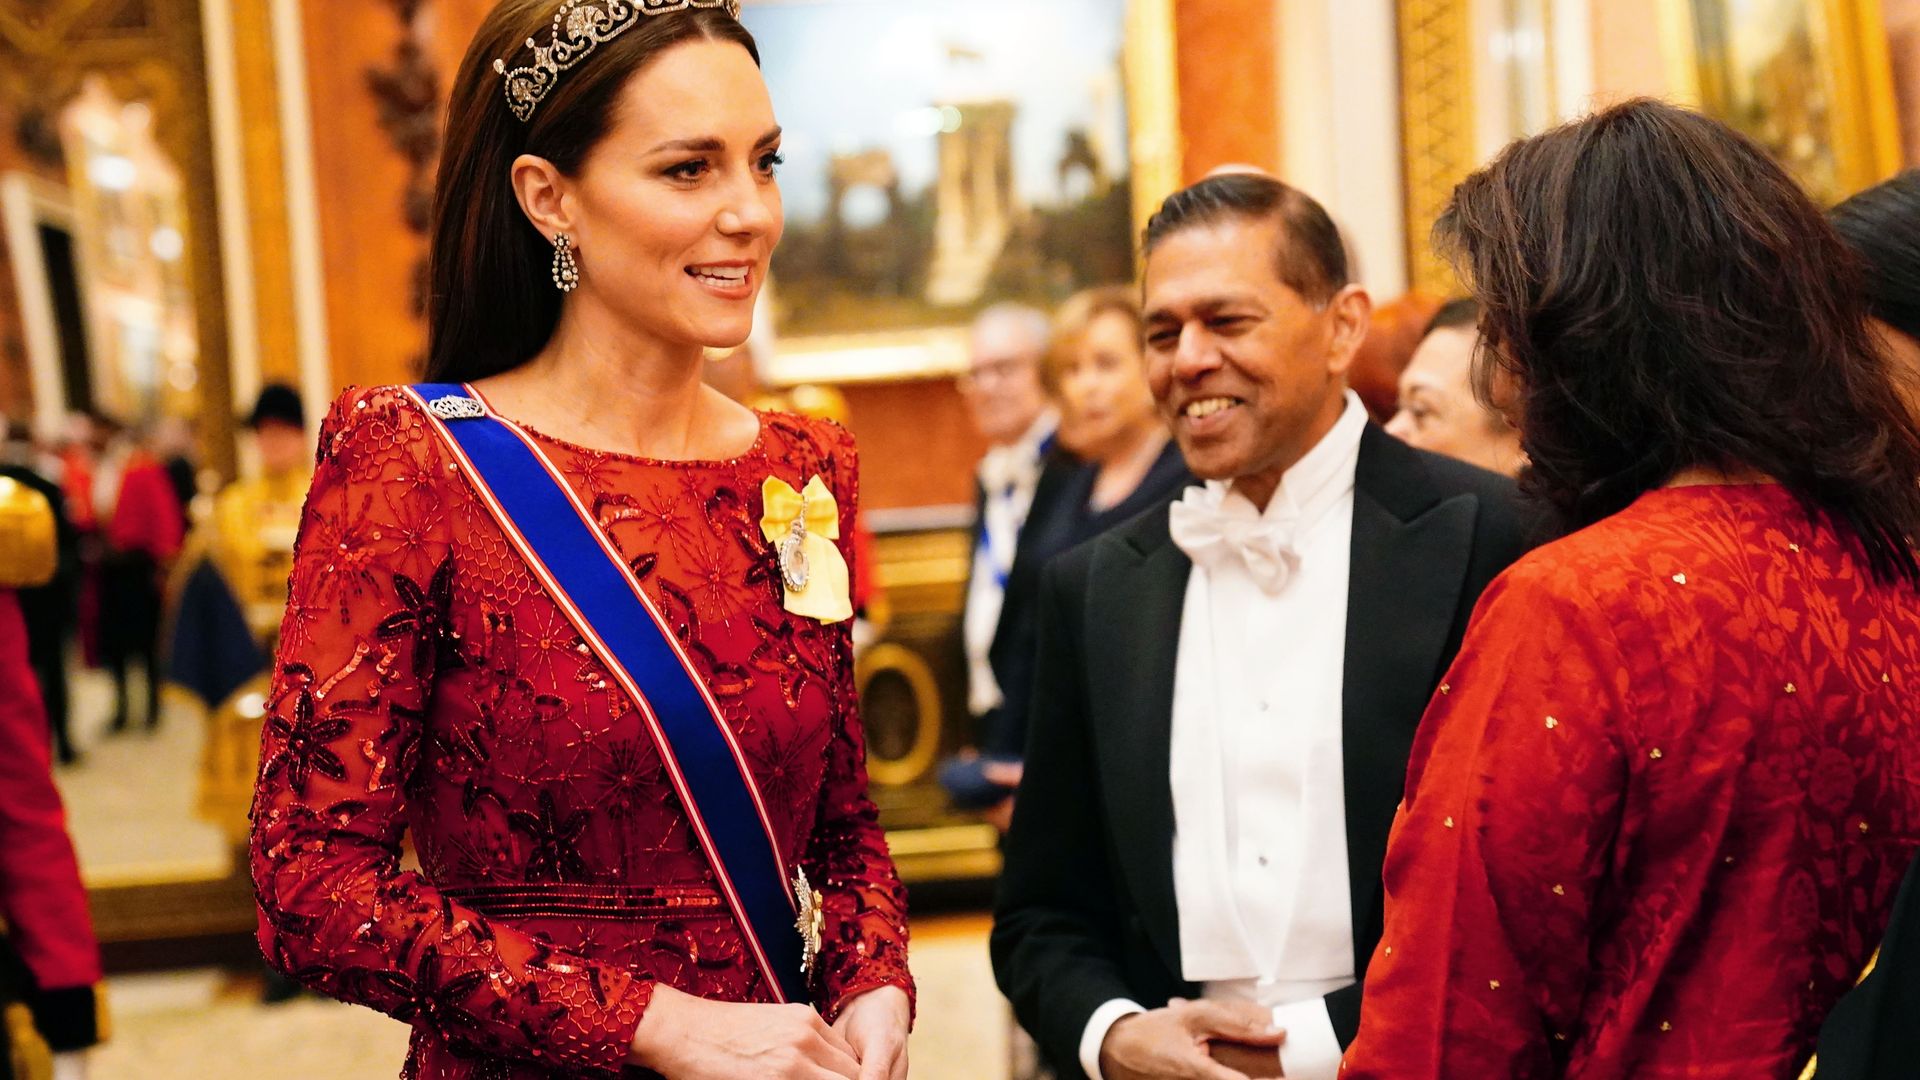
(1657,814)
(606,210)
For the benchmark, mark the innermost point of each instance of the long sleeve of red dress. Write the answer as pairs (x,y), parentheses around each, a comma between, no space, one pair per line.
(1658,809)
(42,900)
(427,686)
(866,912)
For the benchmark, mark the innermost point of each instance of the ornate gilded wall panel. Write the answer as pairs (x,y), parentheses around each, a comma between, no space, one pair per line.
(1437,124)
(148,51)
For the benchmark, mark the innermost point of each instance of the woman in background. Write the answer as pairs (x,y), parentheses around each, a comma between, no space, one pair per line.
(1657,813)
(1123,462)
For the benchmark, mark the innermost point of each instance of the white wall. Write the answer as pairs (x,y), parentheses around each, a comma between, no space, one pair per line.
(1340,126)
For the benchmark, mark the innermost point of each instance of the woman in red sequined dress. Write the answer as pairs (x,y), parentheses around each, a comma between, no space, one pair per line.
(564,920)
(1658,811)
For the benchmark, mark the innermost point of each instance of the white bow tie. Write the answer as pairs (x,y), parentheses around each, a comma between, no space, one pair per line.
(1212,536)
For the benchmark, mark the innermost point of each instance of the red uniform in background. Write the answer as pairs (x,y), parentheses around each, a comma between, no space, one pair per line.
(1657,814)
(146,515)
(41,898)
(143,535)
(427,685)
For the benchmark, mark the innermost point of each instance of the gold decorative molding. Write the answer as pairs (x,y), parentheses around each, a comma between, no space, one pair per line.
(918,758)
(270,256)
(1863,92)
(1436,125)
(1153,105)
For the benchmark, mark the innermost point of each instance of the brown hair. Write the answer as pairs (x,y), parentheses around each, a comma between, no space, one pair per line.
(1312,258)
(492,304)
(1075,316)
(1665,297)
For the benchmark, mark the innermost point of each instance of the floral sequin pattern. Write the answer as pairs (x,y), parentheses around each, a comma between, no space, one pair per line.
(427,689)
(1657,816)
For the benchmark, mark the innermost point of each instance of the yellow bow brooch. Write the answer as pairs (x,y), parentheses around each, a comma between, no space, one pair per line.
(802,527)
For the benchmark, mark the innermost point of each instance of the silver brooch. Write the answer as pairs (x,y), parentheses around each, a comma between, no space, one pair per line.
(456,407)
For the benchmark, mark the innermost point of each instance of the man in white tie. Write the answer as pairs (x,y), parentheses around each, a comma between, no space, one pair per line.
(1010,407)
(1228,687)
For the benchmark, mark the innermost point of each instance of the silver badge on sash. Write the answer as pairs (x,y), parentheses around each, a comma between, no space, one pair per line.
(456,407)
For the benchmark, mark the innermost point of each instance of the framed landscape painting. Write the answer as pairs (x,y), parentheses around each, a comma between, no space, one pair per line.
(1810,80)
(940,158)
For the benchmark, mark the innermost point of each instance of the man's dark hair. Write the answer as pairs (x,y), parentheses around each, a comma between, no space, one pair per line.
(1664,296)
(1311,260)
(1882,225)
(1461,311)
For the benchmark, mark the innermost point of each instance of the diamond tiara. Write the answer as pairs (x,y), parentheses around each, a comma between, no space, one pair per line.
(579,27)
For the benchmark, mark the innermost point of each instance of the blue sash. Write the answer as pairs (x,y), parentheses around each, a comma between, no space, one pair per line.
(572,556)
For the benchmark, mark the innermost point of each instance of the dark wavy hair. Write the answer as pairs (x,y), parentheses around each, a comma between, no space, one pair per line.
(1882,225)
(1662,296)
(492,304)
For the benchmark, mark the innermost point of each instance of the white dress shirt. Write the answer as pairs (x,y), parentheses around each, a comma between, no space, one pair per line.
(1256,766)
(1008,475)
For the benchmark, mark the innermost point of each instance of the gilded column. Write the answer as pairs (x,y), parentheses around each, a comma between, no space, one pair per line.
(1437,125)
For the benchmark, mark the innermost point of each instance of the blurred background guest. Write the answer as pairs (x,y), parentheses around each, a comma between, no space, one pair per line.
(49,608)
(1657,814)
(144,528)
(49,961)
(172,445)
(1882,226)
(1123,461)
(1438,409)
(1007,399)
(254,520)
(231,593)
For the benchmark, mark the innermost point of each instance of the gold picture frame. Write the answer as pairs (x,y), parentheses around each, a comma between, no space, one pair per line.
(1810,80)
(812,334)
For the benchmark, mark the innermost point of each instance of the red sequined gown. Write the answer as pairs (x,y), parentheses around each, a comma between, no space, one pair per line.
(427,687)
(1658,811)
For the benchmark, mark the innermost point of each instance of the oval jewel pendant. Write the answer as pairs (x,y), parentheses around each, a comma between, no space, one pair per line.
(793,557)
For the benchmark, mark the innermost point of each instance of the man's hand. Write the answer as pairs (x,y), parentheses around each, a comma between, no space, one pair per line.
(1007,774)
(1173,1043)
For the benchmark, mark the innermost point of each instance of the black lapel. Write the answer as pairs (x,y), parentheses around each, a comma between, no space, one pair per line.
(1411,548)
(1133,638)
